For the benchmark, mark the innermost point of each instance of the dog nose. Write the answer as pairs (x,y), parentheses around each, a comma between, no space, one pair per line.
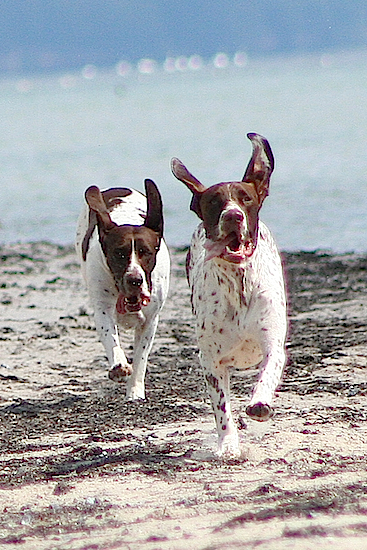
(134,280)
(235,216)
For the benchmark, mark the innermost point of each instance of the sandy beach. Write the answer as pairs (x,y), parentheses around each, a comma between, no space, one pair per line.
(81,469)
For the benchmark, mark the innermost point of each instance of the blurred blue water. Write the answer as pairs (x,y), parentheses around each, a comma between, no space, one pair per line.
(60,134)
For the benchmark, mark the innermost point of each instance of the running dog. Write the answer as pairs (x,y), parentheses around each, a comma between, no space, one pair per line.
(238,296)
(125,264)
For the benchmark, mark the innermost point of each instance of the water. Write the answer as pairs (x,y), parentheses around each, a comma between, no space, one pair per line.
(60,134)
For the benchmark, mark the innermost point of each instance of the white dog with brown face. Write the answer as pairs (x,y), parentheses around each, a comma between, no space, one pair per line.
(125,264)
(237,284)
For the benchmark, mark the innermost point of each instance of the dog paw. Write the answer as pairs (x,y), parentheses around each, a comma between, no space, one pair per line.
(135,394)
(229,453)
(259,412)
(229,448)
(119,372)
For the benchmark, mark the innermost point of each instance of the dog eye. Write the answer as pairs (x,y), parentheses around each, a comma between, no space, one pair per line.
(120,253)
(144,252)
(244,197)
(215,202)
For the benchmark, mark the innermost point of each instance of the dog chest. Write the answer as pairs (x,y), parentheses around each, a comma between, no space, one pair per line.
(231,302)
(220,305)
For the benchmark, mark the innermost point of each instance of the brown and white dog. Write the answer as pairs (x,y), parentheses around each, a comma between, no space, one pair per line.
(125,264)
(237,285)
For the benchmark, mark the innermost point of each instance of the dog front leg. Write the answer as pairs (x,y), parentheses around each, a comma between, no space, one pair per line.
(271,372)
(108,334)
(217,380)
(269,322)
(143,341)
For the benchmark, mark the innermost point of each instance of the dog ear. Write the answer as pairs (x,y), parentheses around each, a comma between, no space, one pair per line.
(180,171)
(154,219)
(261,165)
(94,198)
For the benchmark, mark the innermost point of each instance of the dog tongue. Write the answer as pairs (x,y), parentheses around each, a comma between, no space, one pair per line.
(120,304)
(124,305)
(214,249)
(219,249)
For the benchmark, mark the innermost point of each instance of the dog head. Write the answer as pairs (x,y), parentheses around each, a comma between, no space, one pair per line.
(130,250)
(230,210)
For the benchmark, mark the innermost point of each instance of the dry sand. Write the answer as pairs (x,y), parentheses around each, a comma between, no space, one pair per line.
(82,469)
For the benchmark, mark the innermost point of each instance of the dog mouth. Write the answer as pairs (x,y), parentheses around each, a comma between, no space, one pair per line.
(131,304)
(232,248)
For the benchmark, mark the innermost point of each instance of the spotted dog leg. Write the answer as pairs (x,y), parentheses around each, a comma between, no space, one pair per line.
(271,371)
(271,339)
(217,381)
(268,320)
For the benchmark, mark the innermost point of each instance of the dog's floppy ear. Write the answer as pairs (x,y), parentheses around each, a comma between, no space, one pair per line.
(180,171)
(154,219)
(94,198)
(261,165)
